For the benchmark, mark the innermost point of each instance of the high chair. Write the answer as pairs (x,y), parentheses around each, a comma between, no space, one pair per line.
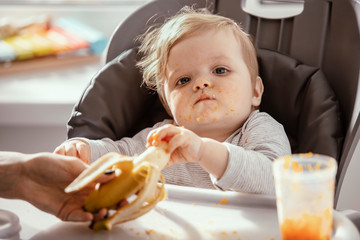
(309,64)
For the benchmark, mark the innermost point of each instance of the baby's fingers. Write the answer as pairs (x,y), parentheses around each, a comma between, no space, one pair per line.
(162,134)
(70,149)
(150,141)
(83,151)
(176,141)
(154,137)
(60,150)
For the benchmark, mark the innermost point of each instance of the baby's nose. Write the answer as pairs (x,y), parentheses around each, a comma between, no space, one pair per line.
(201,84)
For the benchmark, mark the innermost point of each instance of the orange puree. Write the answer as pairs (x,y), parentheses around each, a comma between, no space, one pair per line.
(155,138)
(306,227)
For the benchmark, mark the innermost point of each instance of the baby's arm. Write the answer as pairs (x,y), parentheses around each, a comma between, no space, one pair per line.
(185,146)
(251,152)
(89,150)
(76,148)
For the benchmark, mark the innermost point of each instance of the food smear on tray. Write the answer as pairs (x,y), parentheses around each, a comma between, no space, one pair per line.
(134,191)
(223,201)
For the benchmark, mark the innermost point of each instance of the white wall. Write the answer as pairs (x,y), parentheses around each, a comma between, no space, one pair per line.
(35,105)
(102,17)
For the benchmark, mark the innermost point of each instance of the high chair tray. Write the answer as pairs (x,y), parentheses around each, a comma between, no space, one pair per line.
(188,213)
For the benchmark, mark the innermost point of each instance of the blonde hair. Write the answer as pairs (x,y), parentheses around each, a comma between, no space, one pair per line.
(157,43)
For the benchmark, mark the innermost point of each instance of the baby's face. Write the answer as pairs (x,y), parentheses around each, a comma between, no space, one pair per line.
(208,85)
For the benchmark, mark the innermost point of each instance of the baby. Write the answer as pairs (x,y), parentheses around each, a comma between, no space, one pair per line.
(205,70)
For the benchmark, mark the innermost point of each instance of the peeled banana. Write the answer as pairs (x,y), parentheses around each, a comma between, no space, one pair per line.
(134,192)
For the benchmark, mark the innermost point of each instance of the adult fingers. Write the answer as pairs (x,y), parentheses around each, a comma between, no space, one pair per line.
(101,214)
(79,215)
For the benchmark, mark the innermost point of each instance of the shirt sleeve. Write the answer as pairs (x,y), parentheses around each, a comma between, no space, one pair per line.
(249,166)
(126,146)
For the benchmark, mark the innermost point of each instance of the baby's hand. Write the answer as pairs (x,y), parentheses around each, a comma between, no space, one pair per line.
(75,148)
(183,144)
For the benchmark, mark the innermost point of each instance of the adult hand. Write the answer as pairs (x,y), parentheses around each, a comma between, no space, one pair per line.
(41,179)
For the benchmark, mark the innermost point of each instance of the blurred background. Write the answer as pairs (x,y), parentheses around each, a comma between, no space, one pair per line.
(49,51)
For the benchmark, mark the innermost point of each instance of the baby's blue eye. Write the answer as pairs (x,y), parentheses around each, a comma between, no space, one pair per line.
(183,81)
(220,70)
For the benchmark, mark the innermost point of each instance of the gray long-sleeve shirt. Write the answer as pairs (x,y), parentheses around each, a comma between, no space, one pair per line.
(252,148)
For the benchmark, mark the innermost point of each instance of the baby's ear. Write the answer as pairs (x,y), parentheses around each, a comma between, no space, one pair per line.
(258,91)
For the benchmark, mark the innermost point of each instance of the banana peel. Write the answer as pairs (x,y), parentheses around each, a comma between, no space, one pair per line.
(140,185)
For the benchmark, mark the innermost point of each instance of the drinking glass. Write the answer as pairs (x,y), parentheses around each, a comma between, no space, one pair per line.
(304,185)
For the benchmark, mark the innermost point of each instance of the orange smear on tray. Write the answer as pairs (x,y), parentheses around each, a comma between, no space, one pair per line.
(223,200)
(151,231)
(306,227)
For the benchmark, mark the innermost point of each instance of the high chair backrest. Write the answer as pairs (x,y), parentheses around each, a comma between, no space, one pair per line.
(309,64)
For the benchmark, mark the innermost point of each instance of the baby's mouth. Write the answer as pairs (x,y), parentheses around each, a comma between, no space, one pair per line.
(204,97)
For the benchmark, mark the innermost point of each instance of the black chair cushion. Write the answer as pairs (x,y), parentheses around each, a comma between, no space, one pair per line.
(300,97)
(115,105)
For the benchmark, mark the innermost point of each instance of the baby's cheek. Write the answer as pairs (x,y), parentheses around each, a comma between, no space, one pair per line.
(183,117)
(230,103)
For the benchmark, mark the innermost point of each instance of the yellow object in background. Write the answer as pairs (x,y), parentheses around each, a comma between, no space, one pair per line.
(21,46)
(66,37)
(59,42)
(40,46)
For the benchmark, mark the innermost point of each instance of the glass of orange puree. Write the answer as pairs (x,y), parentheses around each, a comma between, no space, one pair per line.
(304,185)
